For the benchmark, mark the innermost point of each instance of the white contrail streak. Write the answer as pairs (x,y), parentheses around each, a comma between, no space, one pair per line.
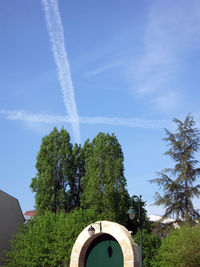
(56,35)
(115,121)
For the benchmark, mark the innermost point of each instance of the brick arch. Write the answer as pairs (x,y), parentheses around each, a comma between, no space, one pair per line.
(129,249)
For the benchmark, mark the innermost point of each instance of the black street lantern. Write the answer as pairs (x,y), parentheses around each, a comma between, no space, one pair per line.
(91,230)
(132,213)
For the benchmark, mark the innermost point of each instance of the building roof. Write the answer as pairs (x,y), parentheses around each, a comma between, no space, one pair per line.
(30,213)
(4,194)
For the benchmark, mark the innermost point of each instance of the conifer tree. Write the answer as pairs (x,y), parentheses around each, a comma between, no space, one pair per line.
(179,183)
(104,184)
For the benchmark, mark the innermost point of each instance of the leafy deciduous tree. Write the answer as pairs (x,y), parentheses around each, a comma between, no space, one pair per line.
(54,177)
(104,184)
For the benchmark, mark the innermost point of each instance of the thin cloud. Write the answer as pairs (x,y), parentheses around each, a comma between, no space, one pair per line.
(159,62)
(29,117)
(56,35)
(171,30)
(115,121)
(103,68)
(127,122)
(168,100)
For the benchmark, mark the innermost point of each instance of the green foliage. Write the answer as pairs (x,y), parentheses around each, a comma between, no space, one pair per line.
(48,239)
(54,183)
(150,246)
(180,249)
(59,183)
(178,182)
(78,171)
(104,184)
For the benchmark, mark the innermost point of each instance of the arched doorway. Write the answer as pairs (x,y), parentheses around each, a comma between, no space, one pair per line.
(104,251)
(118,236)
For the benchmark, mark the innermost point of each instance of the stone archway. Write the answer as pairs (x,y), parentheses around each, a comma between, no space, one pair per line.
(129,249)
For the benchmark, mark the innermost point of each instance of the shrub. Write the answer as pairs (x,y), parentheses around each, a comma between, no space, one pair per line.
(180,249)
(48,239)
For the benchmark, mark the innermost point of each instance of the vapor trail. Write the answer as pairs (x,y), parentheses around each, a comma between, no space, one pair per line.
(115,121)
(56,35)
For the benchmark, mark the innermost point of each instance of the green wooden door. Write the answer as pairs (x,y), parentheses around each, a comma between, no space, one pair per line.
(104,251)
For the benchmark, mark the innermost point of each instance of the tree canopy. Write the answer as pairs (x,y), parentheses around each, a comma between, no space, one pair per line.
(54,181)
(91,176)
(104,184)
(178,183)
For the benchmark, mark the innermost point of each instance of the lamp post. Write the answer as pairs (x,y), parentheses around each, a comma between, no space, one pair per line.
(132,213)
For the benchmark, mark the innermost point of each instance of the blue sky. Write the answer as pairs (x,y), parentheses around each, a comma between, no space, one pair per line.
(123,67)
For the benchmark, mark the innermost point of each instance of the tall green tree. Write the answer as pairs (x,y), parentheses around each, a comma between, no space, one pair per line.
(179,183)
(104,184)
(55,178)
